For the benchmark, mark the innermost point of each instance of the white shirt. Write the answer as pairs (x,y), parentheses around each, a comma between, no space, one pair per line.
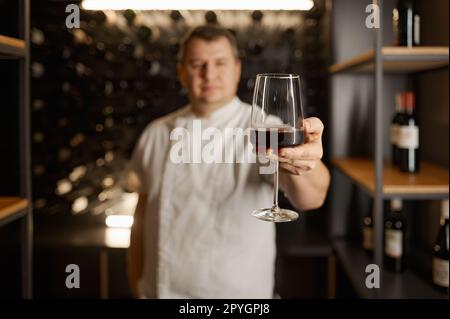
(200,239)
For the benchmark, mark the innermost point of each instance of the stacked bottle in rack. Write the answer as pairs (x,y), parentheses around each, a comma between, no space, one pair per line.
(404,134)
(441,252)
(395,237)
(367,232)
(406,24)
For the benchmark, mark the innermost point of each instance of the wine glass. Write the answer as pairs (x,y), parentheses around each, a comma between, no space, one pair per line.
(276,122)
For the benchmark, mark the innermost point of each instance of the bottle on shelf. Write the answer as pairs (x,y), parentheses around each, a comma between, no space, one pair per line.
(394,240)
(441,252)
(395,126)
(408,137)
(367,232)
(406,24)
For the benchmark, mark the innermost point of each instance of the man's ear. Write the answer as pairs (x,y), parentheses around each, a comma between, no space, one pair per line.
(181,74)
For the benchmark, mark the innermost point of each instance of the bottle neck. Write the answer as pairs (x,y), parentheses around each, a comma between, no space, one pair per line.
(399,103)
(444,212)
(399,109)
(396,205)
(409,100)
(409,110)
(444,218)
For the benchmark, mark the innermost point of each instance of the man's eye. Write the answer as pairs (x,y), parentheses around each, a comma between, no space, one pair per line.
(196,66)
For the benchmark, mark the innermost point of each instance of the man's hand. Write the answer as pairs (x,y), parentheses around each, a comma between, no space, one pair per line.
(301,159)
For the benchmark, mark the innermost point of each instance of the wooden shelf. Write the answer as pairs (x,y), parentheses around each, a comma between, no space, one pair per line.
(10,207)
(12,47)
(431,182)
(66,235)
(407,285)
(396,60)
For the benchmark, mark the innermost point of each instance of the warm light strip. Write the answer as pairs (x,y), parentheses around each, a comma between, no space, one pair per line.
(198,4)
(117,237)
(119,221)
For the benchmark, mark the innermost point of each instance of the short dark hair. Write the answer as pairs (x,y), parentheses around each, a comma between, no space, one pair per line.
(208,32)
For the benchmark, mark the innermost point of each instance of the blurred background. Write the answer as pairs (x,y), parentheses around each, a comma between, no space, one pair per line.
(65,140)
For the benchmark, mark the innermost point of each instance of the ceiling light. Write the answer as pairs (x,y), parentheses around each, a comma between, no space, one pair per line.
(198,5)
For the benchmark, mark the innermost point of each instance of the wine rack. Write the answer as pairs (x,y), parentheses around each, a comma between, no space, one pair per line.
(386,67)
(15,187)
(96,88)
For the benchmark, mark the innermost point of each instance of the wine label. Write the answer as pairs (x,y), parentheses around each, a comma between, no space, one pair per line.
(416,29)
(367,238)
(393,245)
(408,137)
(440,272)
(394,132)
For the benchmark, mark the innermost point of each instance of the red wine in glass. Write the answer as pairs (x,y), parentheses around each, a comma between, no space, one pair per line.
(275,138)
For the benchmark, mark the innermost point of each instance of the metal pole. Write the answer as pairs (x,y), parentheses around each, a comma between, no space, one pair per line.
(378,155)
(25,152)
(104,274)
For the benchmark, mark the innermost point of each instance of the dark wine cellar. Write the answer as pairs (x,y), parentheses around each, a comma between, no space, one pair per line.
(94,89)
(76,100)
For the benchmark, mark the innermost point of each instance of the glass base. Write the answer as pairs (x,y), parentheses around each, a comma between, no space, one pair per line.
(276,215)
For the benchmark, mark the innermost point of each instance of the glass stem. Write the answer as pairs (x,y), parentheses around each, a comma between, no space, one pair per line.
(275,185)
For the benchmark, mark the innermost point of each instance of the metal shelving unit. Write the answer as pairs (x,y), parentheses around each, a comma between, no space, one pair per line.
(383,182)
(13,208)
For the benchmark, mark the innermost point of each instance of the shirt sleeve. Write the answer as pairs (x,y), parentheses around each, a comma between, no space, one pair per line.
(135,179)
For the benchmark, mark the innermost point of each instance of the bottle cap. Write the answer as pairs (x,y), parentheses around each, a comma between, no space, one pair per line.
(396,204)
(409,99)
(444,209)
(399,102)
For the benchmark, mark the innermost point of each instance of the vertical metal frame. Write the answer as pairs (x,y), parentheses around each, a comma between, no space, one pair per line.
(378,155)
(25,152)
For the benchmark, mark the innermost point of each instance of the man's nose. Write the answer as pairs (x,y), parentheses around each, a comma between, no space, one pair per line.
(209,71)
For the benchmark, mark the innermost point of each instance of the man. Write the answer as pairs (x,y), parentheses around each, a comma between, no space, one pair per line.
(193,234)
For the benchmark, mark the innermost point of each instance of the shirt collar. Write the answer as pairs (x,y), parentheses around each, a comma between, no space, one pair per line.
(222,111)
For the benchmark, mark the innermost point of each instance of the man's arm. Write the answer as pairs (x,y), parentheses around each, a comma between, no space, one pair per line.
(303,176)
(307,191)
(136,250)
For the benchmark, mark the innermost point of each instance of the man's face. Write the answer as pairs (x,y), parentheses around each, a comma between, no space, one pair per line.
(210,72)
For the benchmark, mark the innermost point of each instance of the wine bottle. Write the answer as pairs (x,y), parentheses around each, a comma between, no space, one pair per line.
(406,23)
(368,232)
(408,137)
(441,252)
(395,126)
(394,240)
(211,17)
